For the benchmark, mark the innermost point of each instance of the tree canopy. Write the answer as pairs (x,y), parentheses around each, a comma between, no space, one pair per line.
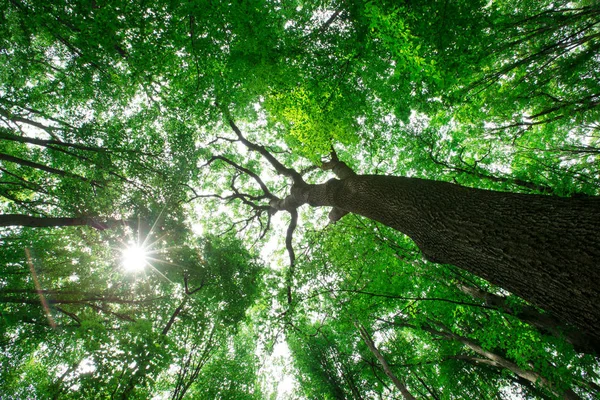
(241,147)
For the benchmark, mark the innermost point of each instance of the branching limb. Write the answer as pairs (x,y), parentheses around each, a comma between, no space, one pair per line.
(245,170)
(279,167)
(342,171)
(339,168)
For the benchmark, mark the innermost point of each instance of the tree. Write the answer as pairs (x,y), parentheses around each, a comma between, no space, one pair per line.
(506,238)
(388,371)
(474,127)
(127,337)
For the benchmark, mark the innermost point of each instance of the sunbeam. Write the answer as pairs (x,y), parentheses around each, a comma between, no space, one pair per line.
(134,258)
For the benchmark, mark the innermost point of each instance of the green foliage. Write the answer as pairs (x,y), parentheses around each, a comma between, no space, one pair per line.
(115,111)
(108,332)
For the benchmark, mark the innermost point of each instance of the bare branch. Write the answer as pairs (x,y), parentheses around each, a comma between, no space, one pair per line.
(248,172)
(279,167)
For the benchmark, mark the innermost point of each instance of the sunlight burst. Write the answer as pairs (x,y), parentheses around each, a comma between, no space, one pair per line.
(134,258)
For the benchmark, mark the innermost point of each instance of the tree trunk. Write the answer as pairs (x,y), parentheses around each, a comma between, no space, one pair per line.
(386,368)
(546,323)
(544,249)
(496,360)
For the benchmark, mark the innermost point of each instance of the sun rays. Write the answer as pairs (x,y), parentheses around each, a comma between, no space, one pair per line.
(141,255)
(134,258)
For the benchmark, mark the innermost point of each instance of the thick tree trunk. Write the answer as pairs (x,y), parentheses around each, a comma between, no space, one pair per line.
(544,249)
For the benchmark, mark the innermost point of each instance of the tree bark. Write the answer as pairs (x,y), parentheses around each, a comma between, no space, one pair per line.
(544,249)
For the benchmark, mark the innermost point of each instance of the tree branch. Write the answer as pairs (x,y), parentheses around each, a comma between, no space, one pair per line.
(49,222)
(248,172)
(45,168)
(279,167)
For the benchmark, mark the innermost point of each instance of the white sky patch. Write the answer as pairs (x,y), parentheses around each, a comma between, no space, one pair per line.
(86,366)
(270,249)
(198,229)
(278,379)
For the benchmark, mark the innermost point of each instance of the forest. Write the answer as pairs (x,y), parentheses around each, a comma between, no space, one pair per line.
(288,200)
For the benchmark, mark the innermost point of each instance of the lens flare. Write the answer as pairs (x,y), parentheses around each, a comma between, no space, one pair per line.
(134,258)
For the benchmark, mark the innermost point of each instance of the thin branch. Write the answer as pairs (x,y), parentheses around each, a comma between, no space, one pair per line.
(45,168)
(245,170)
(171,321)
(49,222)
(279,167)
(122,317)
(73,316)
(391,296)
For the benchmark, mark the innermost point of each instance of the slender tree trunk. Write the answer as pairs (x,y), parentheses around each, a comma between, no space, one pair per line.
(41,167)
(386,368)
(496,360)
(544,249)
(547,323)
(47,143)
(478,362)
(491,358)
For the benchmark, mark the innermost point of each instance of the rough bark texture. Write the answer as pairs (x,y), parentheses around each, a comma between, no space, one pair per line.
(544,249)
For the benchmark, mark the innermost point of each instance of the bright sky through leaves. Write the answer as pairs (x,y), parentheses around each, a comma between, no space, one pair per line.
(134,258)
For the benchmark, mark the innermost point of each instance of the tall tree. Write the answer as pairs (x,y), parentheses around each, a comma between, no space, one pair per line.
(473,125)
(541,248)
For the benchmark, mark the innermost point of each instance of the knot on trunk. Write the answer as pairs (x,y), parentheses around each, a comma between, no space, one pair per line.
(297,197)
(339,168)
(336,214)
